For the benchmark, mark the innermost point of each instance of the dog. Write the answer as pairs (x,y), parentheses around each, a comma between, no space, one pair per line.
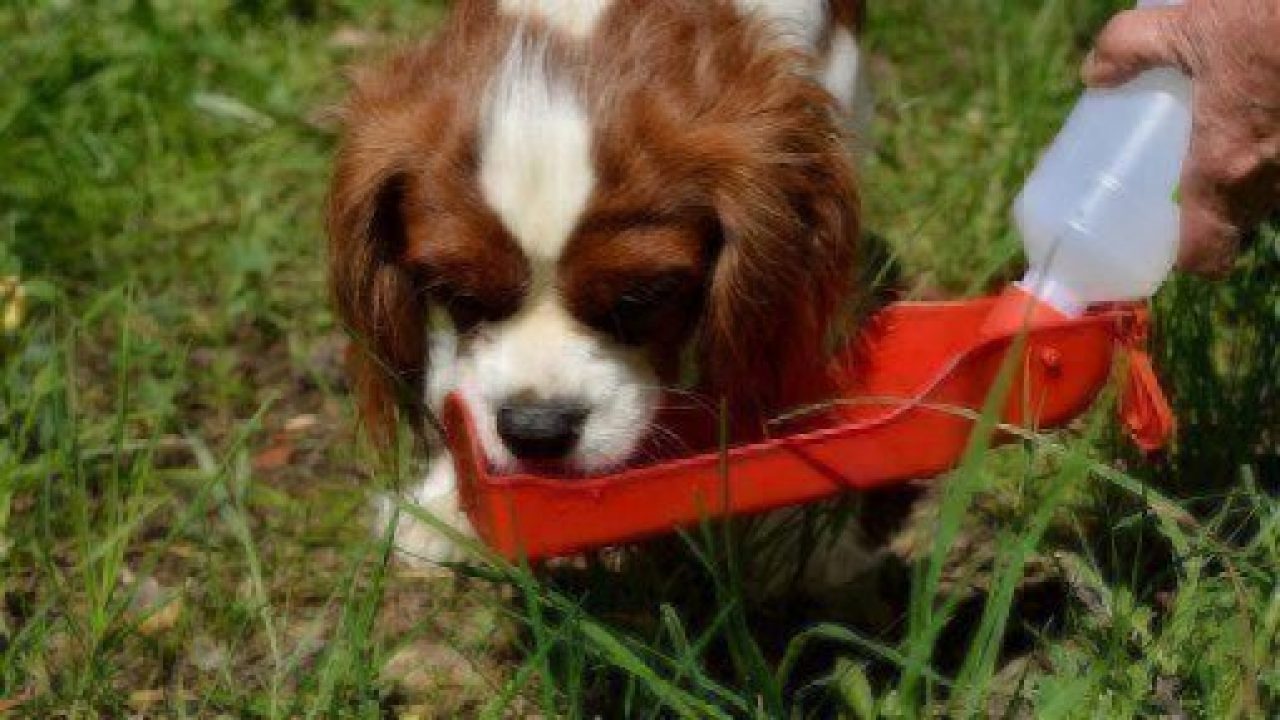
(557,208)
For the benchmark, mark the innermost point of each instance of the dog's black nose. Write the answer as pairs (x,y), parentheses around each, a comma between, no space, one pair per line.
(540,430)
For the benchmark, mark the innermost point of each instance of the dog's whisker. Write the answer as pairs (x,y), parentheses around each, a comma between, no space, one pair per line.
(668,440)
(699,401)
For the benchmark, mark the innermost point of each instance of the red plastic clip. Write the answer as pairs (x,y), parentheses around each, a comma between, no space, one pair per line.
(1144,409)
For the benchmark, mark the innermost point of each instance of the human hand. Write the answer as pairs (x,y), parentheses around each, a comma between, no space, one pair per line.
(1231,50)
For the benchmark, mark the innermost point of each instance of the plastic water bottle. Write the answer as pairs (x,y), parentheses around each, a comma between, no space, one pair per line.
(1099,215)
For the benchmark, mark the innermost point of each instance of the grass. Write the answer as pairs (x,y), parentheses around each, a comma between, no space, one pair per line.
(184,528)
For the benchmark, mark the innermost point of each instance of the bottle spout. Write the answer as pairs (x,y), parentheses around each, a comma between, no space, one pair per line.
(1019,309)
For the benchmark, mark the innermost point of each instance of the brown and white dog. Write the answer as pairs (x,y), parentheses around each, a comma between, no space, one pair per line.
(551,204)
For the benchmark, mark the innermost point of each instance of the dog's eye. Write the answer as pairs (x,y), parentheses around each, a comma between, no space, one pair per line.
(467,310)
(639,309)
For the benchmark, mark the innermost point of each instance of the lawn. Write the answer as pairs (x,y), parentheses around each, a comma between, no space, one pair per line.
(184,524)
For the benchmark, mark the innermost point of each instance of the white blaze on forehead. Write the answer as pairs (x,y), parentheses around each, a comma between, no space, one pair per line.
(535,156)
(575,17)
(537,174)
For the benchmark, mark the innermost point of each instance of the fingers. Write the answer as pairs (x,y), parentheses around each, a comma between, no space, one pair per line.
(1229,184)
(1209,244)
(1134,41)
(1232,175)
(1210,240)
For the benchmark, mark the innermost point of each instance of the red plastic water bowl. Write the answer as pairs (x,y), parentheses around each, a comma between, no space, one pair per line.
(907,394)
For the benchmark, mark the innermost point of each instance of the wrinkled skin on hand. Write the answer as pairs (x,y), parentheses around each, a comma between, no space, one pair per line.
(1231,50)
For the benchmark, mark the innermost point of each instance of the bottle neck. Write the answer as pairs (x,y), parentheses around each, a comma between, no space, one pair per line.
(1053,292)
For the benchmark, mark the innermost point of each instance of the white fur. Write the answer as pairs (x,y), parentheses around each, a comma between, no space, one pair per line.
(537,174)
(844,75)
(574,17)
(442,351)
(543,353)
(437,496)
(801,21)
(535,158)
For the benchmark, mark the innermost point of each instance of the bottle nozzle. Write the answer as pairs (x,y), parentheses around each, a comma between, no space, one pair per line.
(1052,292)
(1018,309)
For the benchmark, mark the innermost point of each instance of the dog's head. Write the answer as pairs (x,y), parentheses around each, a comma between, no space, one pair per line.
(584,195)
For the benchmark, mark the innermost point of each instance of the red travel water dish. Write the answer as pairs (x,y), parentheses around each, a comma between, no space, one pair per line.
(910,390)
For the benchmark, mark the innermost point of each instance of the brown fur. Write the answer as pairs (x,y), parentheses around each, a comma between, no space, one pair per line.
(720,129)
(849,13)
(721,169)
(410,119)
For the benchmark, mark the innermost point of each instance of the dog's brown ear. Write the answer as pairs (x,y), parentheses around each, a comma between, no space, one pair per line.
(375,294)
(787,206)
(849,13)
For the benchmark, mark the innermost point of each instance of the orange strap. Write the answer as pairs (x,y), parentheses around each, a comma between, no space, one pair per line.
(1144,409)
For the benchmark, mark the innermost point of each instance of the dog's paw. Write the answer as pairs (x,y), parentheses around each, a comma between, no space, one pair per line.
(416,540)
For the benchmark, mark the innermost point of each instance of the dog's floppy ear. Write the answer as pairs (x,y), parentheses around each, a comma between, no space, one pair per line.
(849,13)
(376,296)
(786,202)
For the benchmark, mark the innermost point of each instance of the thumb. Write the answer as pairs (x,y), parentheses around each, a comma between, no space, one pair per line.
(1134,41)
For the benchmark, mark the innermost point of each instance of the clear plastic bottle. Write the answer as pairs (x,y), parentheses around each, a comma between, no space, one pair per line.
(1099,216)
